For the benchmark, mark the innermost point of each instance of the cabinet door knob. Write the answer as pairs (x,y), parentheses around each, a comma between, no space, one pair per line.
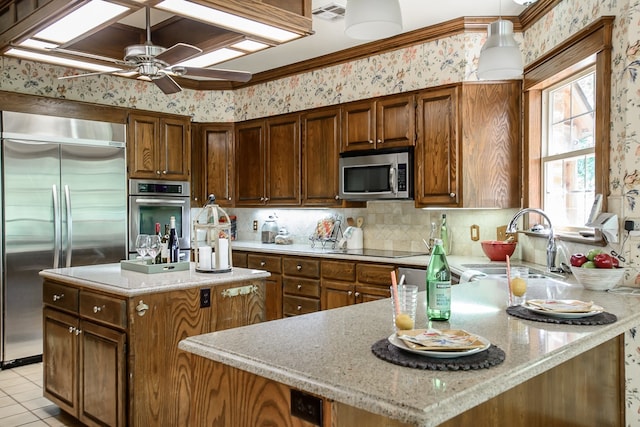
(262,263)
(349,293)
(371,141)
(299,286)
(157,172)
(337,197)
(142,308)
(229,198)
(298,267)
(71,329)
(379,141)
(164,172)
(57,297)
(299,307)
(97,309)
(452,195)
(357,294)
(78,331)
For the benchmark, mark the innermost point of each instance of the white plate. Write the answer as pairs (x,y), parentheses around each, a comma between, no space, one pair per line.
(596,309)
(397,342)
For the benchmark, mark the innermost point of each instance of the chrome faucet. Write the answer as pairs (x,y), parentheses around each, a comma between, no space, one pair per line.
(551,243)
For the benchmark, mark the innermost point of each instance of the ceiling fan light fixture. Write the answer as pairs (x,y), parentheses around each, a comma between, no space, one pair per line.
(80,21)
(226,20)
(372,19)
(500,57)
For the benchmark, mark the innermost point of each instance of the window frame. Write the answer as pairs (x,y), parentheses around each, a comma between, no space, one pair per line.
(589,47)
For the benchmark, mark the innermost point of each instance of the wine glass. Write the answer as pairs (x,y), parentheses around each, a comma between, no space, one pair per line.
(154,247)
(142,245)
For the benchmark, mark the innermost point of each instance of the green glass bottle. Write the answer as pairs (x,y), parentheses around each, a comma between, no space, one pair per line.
(438,284)
(444,235)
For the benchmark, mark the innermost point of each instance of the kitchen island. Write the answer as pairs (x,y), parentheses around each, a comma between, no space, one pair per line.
(552,374)
(111,337)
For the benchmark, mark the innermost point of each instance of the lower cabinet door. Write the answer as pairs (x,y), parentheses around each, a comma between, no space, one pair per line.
(60,357)
(102,376)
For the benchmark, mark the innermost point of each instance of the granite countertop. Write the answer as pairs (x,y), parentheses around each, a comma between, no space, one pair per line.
(333,355)
(111,278)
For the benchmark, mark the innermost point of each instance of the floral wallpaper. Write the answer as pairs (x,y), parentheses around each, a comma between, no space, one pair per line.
(447,60)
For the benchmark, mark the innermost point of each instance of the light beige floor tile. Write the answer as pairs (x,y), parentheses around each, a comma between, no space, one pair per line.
(28,395)
(49,411)
(11,410)
(18,419)
(6,401)
(20,388)
(38,402)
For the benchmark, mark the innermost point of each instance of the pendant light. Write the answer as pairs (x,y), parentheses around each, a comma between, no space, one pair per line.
(372,19)
(500,57)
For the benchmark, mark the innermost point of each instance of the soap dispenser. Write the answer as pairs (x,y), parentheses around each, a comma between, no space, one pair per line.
(269,230)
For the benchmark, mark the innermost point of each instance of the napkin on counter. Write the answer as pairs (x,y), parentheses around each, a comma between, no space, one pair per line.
(440,340)
(471,275)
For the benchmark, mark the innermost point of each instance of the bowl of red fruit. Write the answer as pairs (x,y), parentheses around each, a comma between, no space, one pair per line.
(596,270)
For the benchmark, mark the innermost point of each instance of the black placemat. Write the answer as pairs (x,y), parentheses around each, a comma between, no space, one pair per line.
(603,318)
(384,350)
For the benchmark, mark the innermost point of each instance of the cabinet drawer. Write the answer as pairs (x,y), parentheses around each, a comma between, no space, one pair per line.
(104,309)
(239,259)
(60,296)
(338,270)
(301,267)
(300,305)
(271,263)
(300,286)
(375,274)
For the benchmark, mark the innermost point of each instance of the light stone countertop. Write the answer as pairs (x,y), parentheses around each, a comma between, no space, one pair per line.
(333,355)
(111,278)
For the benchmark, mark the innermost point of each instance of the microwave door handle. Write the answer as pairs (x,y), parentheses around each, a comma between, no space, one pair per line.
(392,180)
(161,202)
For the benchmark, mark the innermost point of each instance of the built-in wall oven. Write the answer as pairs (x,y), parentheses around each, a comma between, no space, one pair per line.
(152,202)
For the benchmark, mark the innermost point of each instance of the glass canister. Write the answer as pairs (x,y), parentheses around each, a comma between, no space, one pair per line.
(213,255)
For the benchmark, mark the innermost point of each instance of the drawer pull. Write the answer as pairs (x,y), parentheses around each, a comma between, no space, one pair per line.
(299,308)
(299,287)
(241,290)
(97,308)
(57,297)
(141,308)
(262,263)
(299,267)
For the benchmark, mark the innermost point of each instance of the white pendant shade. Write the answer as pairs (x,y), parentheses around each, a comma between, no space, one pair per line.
(372,19)
(500,57)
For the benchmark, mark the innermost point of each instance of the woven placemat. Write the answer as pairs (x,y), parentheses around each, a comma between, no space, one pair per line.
(384,350)
(603,318)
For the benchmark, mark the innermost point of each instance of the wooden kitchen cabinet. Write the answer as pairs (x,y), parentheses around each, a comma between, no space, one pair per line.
(212,166)
(273,294)
(387,122)
(301,285)
(84,354)
(114,361)
(320,157)
(461,129)
(346,282)
(267,160)
(158,147)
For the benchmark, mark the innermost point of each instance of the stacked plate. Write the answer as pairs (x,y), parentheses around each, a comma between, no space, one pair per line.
(563,309)
(443,344)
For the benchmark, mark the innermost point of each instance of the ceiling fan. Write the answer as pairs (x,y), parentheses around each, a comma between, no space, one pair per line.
(155,63)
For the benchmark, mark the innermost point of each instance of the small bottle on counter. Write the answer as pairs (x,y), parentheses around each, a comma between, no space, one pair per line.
(164,253)
(158,259)
(173,244)
(444,235)
(438,284)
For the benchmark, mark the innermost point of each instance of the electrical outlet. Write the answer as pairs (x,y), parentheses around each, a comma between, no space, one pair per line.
(632,224)
(205,297)
(255,225)
(306,407)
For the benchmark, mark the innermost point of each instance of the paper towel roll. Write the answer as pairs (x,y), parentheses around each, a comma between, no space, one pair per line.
(204,257)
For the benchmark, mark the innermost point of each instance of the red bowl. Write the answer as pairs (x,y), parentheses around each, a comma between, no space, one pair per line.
(497,250)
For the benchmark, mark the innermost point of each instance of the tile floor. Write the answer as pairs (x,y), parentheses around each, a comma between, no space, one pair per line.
(22,403)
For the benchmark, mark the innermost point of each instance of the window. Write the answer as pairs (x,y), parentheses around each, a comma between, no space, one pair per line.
(567,128)
(568,152)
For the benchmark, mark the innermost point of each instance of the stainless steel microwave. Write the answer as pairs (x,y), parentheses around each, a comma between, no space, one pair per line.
(375,176)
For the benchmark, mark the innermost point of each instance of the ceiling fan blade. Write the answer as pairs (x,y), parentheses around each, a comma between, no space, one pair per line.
(213,73)
(86,55)
(167,84)
(177,53)
(96,73)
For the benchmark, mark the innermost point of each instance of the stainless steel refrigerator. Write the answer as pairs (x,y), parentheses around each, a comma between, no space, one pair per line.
(64,204)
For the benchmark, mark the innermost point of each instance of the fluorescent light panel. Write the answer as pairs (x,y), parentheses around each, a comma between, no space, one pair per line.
(38,44)
(211,58)
(81,21)
(250,46)
(227,20)
(57,60)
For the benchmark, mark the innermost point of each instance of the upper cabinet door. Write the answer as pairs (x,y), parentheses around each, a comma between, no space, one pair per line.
(395,121)
(320,157)
(249,163)
(436,153)
(159,147)
(283,161)
(212,169)
(359,126)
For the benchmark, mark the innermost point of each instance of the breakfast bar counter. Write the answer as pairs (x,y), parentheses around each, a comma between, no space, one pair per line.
(552,374)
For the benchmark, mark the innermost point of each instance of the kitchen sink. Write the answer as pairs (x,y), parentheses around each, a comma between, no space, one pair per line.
(501,271)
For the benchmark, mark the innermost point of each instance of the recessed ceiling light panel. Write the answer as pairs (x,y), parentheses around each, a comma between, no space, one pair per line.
(40,57)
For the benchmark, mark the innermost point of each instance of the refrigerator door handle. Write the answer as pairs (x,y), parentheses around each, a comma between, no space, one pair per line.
(56,228)
(67,197)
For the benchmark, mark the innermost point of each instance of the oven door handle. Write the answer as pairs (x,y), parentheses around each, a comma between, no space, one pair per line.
(161,202)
